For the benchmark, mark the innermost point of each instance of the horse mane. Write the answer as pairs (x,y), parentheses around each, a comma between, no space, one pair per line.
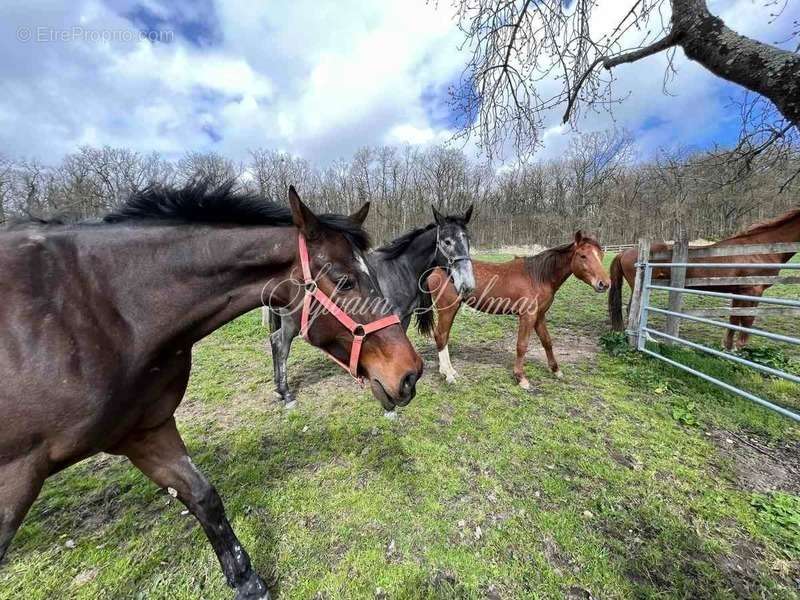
(397,246)
(543,266)
(768,224)
(202,202)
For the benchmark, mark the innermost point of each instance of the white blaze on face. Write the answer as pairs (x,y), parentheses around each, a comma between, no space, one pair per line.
(362,264)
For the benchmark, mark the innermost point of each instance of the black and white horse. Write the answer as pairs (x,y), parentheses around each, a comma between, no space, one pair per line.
(401,268)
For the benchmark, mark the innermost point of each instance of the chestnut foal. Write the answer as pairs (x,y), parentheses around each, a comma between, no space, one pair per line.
(525,287)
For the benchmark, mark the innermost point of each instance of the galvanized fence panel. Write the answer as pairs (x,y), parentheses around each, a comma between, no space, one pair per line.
(642,301)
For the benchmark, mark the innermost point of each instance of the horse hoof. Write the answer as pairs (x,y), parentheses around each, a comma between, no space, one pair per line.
(525,384)
(450,378)
(245,596)
(559,374)
(292,404)
(253,589)
(391,415)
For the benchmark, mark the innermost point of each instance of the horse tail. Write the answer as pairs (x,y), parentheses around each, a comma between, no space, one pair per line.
(615,295)
(425,313)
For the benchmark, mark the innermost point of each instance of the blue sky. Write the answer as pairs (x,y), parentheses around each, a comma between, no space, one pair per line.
(317,79)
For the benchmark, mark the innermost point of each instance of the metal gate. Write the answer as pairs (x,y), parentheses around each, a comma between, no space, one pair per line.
(641,308)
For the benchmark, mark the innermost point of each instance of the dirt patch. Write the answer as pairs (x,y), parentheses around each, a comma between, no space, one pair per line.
(569,347)
(557,558)
(742,567)
(760,467)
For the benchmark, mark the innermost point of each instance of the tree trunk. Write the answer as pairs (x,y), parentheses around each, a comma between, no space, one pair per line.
(761,68)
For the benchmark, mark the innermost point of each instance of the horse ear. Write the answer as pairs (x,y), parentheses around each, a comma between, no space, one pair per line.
(578,236)
(360,215)
(468,214)
(437,216)
(302,217)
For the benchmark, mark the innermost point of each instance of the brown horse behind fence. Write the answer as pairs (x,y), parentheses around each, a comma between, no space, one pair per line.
(524,286)
(782,229)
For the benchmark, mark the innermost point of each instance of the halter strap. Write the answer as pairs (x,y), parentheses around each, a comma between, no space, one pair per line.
(359,331)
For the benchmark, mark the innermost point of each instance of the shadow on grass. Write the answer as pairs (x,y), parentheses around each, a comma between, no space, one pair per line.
(661,555)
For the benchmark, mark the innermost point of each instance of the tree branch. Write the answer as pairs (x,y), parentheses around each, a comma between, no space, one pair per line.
(609,62)
(668,41)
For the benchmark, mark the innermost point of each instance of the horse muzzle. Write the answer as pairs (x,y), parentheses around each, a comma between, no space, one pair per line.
(406,391)
(463,279)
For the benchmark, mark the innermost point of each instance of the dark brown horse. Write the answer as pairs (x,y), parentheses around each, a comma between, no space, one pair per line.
(99,320)
(525,287)
(785,228)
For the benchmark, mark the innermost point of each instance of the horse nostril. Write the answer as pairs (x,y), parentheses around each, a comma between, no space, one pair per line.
(407,385)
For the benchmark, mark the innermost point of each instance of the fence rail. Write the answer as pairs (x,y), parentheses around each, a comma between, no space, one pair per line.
(739,250)
(617,247)
(639,332)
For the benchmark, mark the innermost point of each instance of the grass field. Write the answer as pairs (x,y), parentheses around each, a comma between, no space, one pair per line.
(625,480)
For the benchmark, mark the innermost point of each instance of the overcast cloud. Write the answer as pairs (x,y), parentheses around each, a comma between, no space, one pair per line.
(318,79)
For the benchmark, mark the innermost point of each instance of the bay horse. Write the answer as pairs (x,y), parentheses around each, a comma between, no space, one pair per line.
(401,267)
(525,287)
(784,228)
(99,320)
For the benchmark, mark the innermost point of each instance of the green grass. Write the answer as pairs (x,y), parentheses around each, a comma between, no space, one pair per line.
(621,480)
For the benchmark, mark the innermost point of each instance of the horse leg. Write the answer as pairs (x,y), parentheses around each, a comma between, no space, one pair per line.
(20,482)
(523,337)
(161,455)
(284,330)
(442,335)
(745,321)
(447,304)
(734,320)
(547,344)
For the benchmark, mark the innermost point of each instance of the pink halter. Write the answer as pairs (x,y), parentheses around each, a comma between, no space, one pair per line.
(358,330)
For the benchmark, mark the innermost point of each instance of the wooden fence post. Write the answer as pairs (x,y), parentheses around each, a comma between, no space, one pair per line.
(636,299)
(680,254)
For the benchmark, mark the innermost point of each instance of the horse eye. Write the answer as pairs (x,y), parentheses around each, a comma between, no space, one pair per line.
(448,242)
(345,283)
(583,256)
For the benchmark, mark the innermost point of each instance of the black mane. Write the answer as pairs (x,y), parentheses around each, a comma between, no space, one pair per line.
(399,245)
(202,202)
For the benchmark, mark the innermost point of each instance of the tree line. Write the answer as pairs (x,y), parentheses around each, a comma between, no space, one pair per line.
(599,185)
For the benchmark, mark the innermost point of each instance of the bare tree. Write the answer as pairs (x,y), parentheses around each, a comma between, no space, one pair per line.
(531,56)
(210,166)
(597,185)
(6,172)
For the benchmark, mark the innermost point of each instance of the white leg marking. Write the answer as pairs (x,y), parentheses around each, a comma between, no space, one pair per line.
(445,366)
(559,374)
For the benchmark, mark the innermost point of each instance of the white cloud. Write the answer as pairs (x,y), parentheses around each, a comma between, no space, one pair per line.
(313,78)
